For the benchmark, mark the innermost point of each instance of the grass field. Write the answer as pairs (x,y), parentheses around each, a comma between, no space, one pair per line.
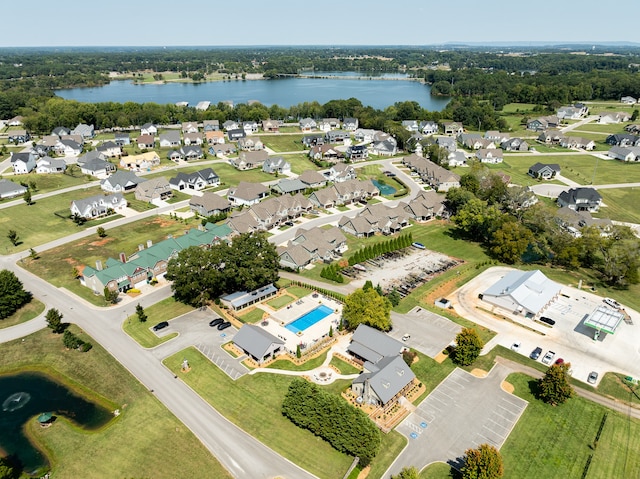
(51,182)
(29,311)
(280,301)
(55,264)
(621,204)
(252,316)
(603,128)
(615,386)
(280,143)
(343,366)
(300,163)
(165,310)
(129,445)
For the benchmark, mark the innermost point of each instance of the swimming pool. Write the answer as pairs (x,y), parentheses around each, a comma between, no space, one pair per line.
(309,319)
(384,188)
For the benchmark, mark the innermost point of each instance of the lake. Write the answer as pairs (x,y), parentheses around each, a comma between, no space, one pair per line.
(24,396)
(284,92)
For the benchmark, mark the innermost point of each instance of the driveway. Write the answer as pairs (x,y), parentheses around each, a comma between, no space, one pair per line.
(430,333)
(461,413)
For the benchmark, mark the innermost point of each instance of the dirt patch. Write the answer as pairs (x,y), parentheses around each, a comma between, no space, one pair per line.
(101,241)
(162,222)
(364,473)
(508,387)
(440,357)
(479,373)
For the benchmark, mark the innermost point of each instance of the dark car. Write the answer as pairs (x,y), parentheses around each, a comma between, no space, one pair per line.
(535,354)
(224,325)
(214,322)
(160,326)
(549,321)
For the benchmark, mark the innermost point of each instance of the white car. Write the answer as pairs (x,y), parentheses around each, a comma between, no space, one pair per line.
(548,357)
(406,337)
(516,346)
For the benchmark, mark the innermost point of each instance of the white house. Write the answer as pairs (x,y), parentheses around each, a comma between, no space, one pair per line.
(23,163)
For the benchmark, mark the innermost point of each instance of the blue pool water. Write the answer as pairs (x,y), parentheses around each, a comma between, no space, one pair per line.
(384,189)
(309,319)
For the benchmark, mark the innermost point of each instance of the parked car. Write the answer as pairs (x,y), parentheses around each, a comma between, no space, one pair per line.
(160,326)
(214,322)
(516,346)
(549,321)
(612,303)
(559,361)
(224,325)
(406,337)
(593,377)
(535,354)
(548,357)
(418,245)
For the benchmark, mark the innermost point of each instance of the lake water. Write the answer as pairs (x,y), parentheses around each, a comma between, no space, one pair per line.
(284,92)
(25,396)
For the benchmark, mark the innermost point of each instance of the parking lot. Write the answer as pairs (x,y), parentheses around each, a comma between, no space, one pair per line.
(429,333)
(462,412)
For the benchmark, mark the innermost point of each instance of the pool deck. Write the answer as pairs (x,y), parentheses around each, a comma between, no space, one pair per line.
(279,319)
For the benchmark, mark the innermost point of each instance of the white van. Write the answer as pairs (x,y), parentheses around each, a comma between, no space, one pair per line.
(611,302)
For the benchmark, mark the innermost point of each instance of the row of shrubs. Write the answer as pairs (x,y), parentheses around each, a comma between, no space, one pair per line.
(373,251)
(332,273)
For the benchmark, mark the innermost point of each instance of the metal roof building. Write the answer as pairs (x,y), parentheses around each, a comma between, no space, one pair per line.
(527,292)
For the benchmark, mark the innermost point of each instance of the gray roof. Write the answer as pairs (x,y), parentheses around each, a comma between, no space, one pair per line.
(372,345)
(574,194)
(171,135)
(241,298)
(391,375)
(126,179)
(255,340)
(9,187)
(530,289)
(289,185)
(248,191)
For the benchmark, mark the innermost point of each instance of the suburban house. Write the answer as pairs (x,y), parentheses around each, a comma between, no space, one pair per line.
(573,112)
(197,180)
(312,140)
(189,127)
(309,246)
(9,189)
(288,186)
(248,160)
(623,139)
(146,142)
(543,123)
(343,193)
(18,136)
(276,165)
(250,127)
(243,299)
(628,100)
(372,219)
(122,139)
(308,124)
(67,147)
(236,134)
(85,131)
(23,163)
(209,204)
(410,125)
(230,125)
(270,213)
(153,189)
(271,126)
(336,136)
(221,149)
(194,138)
(472,141)
(258,343)
(489,155)
(457,158)
(341,172)
(214,137)
(191,152)
(327,124)
(514,144)
(97,206)
(573,221)
(580,199)
(388,147)
(577,143)
(47,164)
(350,124)
(627,154)
(452,128)
(439,178)
(544,171)
(614,117)
(247,194)
(110,149)
(426,206)
(428,127)
(150,262)
(357,152)
(149,129)
(170,139)
(365,135)
(121,182)
(61,131)
(249,143)
(15,121)
(325,152)
(447,142)
(143,161)
(386,377)
(97,167)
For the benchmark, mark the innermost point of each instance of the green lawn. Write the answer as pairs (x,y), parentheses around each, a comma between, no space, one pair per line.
(280,301)
(279,143)
(343,366)
(300,163)
(621,204)
(430,373)
(29,311)
(439,470)
(602,128)
(252,316)
(298,292)
(231,177)
(555,442)
(615,386)
(55,264)
(52,182)
(129,445)
(287,365)
(165,310)
(253,403)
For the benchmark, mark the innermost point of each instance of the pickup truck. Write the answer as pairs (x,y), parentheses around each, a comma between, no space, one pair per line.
(548,357)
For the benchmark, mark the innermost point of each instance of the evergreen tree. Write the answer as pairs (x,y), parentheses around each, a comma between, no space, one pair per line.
(54,321)
(142,316)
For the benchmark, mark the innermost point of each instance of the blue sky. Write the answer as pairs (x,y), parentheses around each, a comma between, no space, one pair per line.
(296,22)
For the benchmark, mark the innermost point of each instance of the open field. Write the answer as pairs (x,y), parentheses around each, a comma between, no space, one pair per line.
(615,386)
(300,162)
(604,128)
(621,204)
(51,182)
(279,143)
(165,310)
(29,311)
(55,264)
(128,446)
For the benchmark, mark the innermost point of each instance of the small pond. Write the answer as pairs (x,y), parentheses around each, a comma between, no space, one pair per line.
(384,188)
(23,398)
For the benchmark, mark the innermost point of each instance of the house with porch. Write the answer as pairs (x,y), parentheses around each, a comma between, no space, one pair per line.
(47,165)
(426,206)
(121,182)
(196,180)
(209,204)
(312,179)
(110,149)
(170,139)
(97,167)
(154,189)
(247,194)
(148,129)
(489,155)
(23,163)
(142,162)
(288,186)
(271,126)
(248,160)
(97,206)
(214,137)
(122,139)
(580,199)
(452,128)
(146,142)
(626,154)
(276,165)
(544,171)
(308,124)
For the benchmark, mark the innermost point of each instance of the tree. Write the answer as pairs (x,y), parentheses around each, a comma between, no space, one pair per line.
(485,462)
(13,237)
(12,294)
(27,197)
(510,241)
(54,321)
(554,387)
(33,254)
(142,316)
(7,471)
(407,473)
(298,351)
(394,297)
(468,347)
(367,307)
(476,220)
(110,296)
(71,341)
(101,232)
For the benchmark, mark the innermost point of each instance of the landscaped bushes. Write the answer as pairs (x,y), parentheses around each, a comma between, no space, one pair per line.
(332,273)
(346,428)
(373,251)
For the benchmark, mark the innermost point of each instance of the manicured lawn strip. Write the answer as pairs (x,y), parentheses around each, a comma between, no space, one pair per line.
(138,205)
(55,265)
(231,177)
(29,311)
(254,404)
(298,291)
(165,310)
(343,366)
(144,421)
(51,182)
(252,316)
(621,204)
(430,373)
(552,441)
(615,386)
(279,143)
(287,365)
(37,224)
(300,163)
(519,108)
(603,128)
(280,301)
(392,444)
(439,470)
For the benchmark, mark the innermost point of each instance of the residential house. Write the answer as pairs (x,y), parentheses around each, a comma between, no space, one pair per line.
(428,127)
(573,221)
(447,142)
(326,152)
(15,121)
(514,144)
(312,179)
(47,164)
(496,136)
(248,160)
(410,125)
(121,182)
(149,129)
(211,125)
(489,155)
(221,149)
(18,136)
(386,147)
(97,206)
(543,123)
(289,186)
(141,162)
(189,127)
(377,218)
(626,154)
(312,140)
(67,147)
(456,158)
(350,124)
(122,139)
(9,189)
(250,127)
(85,131)
(194,138)
(472,141)
(573,112)
(146,141)
(434,175)
(580,199)
(315,244)
(153,190)
(91,155)
(197,180)
(544,171)
(577,143)
(550,137)
(344,193)
(97,167)
(276,165)
(214,137)
(425,206)
(614,117)
(324,198)
(336,136)
(209,204)
(271,126)
(191,152)
(175,155)
(23,163)
(629,100)
(250,143)
(452,128)
(170,139)
(61,131)
(274,211)
(257,343)
(247,194)
(308,124)
(623,139)
(328,124)
(110,149)
(364,135)
(357,152)
(341,172)
(231,125)
(242,222)
(235,135)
